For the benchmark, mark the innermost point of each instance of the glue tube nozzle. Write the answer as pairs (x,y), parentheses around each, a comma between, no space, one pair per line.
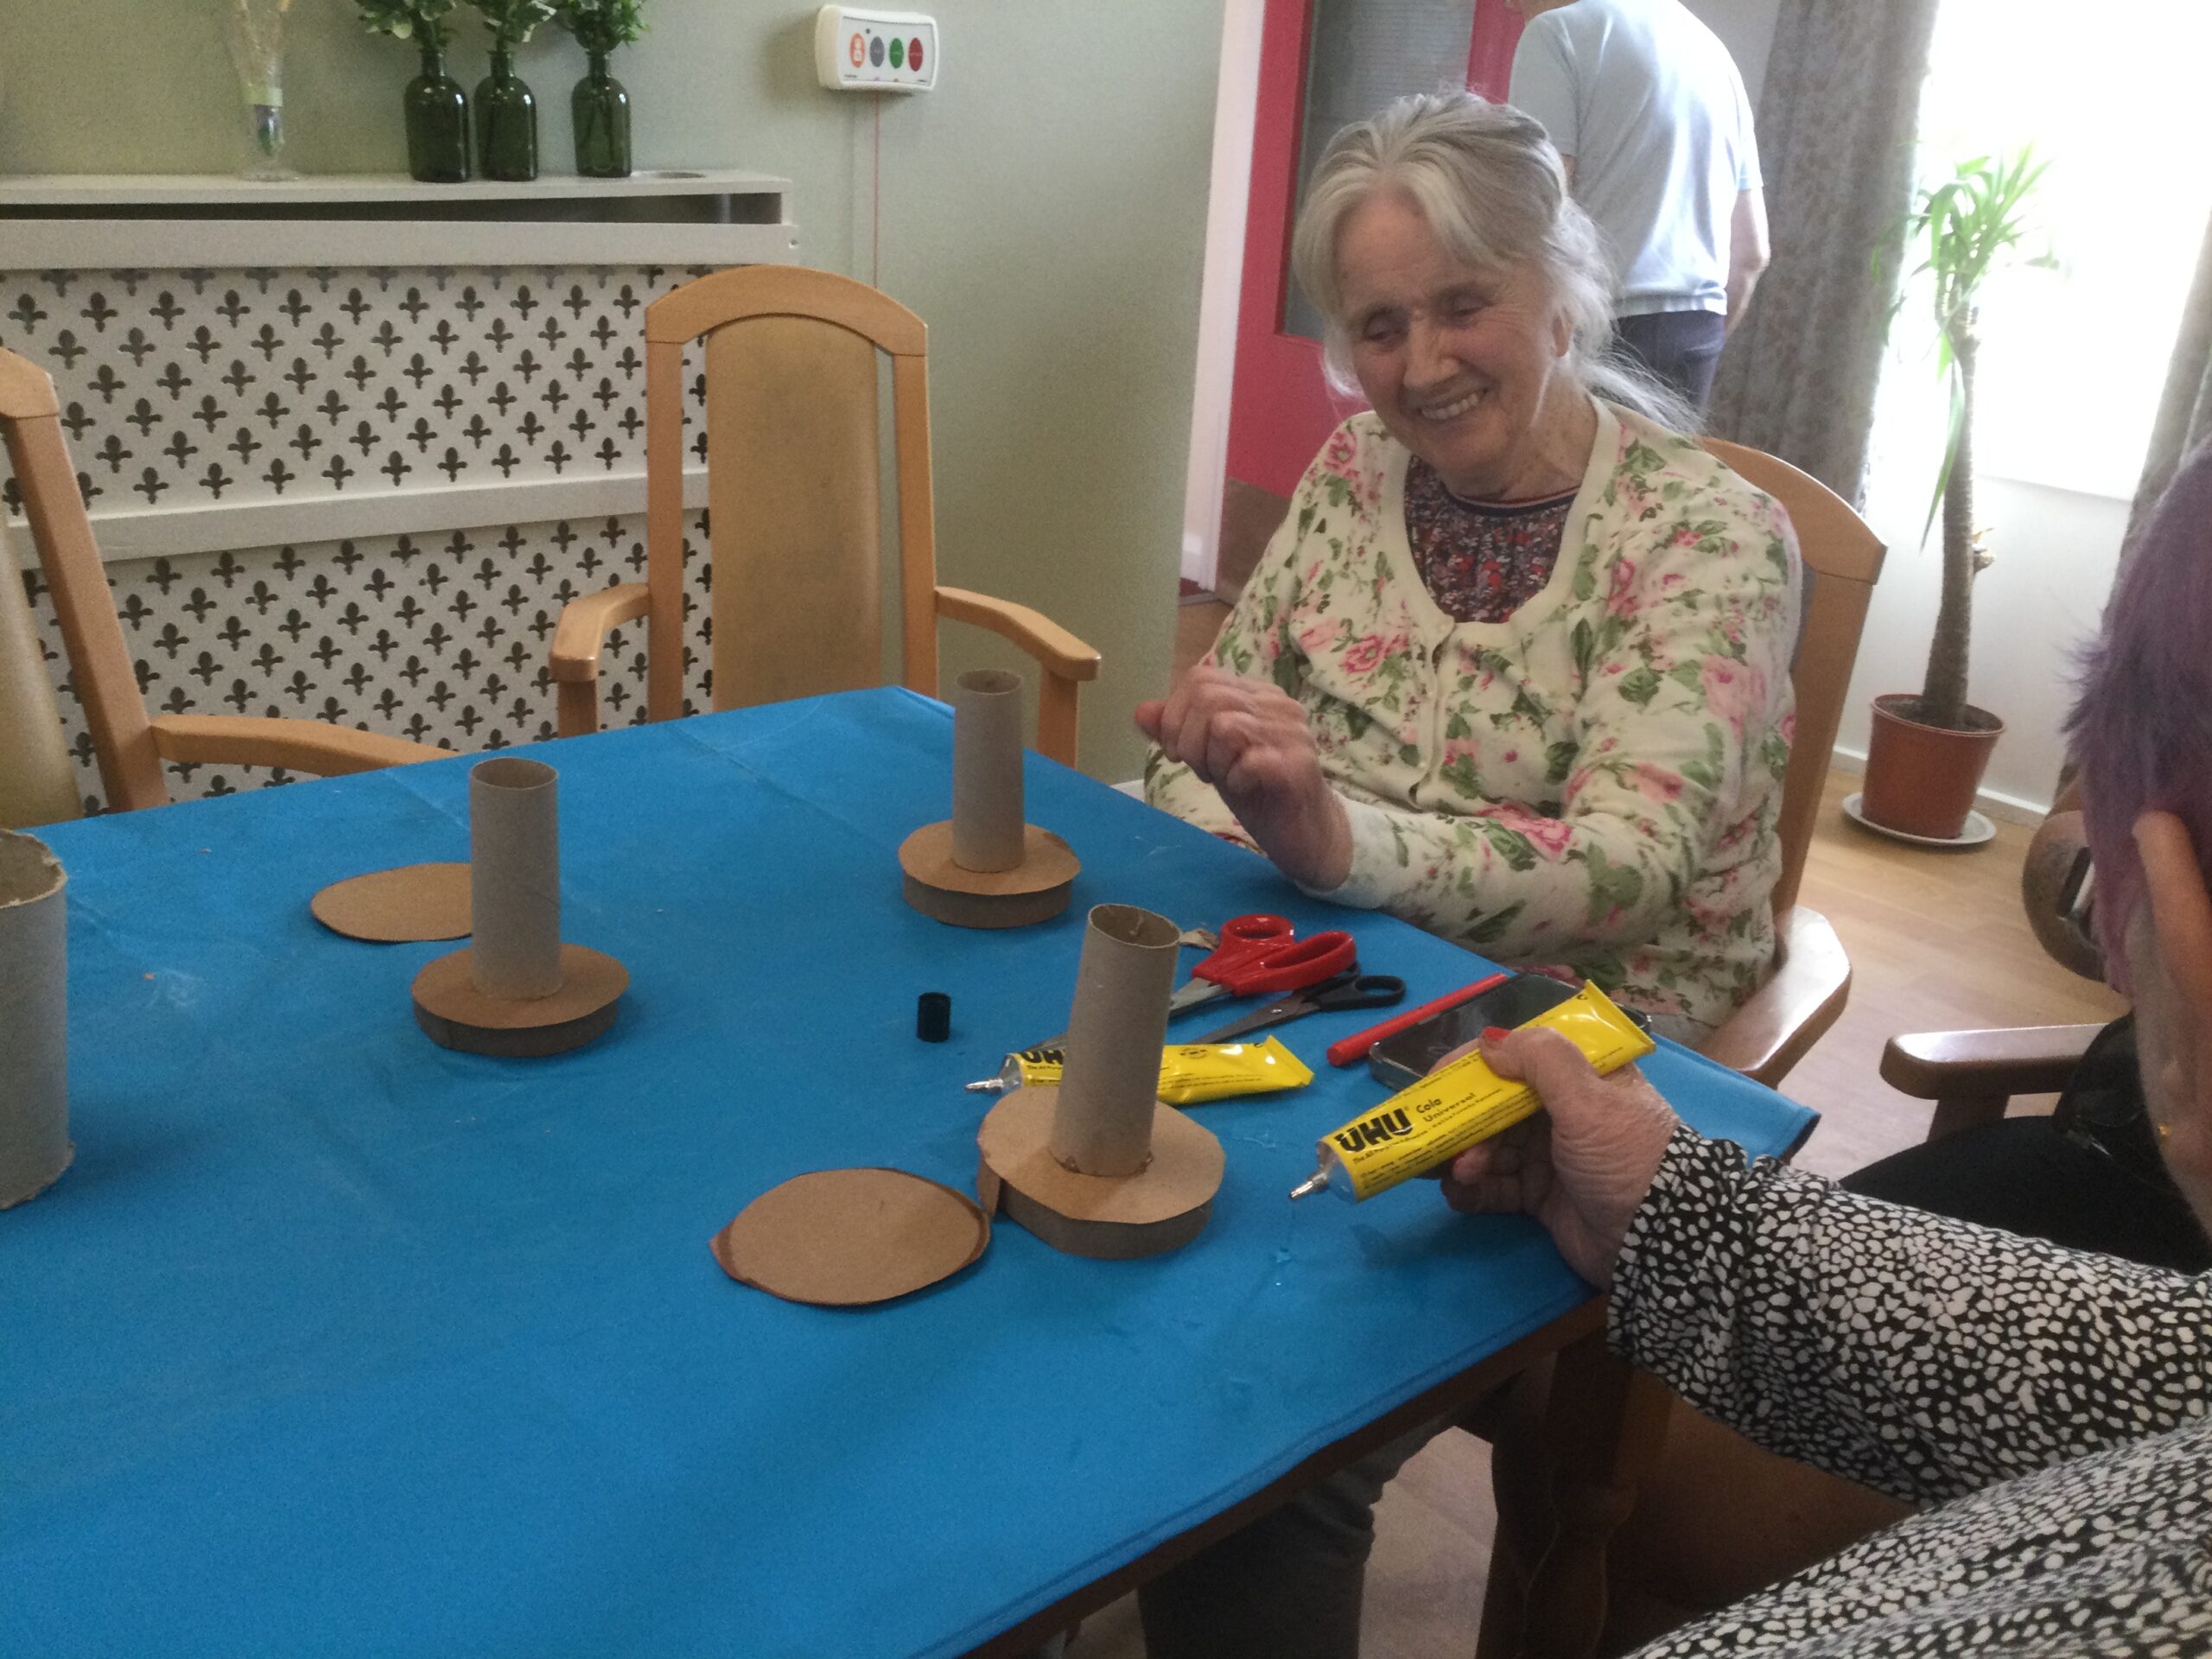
(1317,1182)
(987,1086)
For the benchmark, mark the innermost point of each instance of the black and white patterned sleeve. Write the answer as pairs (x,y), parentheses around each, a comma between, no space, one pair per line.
(1910,1352)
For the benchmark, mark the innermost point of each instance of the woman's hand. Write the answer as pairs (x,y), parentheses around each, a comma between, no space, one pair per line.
(1249,741)
(1582,1165)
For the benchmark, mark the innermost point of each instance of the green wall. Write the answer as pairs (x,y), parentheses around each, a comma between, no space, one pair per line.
(1043,210)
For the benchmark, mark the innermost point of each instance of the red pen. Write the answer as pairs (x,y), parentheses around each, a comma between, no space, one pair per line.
(1353,1049)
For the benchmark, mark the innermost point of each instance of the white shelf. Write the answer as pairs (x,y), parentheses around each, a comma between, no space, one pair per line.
(157,190)
(170,222)
(125,534)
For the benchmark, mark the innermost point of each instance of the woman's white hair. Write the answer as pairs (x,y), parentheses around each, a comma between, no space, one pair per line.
(1494,192)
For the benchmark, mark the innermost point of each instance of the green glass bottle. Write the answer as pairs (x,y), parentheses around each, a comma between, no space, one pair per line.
(437,124)
(507,121)
(599,114)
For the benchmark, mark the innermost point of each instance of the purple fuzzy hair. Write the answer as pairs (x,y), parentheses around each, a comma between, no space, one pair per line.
(2142,728)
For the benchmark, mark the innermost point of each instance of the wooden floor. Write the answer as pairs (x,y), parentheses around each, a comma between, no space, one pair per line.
(1937,942)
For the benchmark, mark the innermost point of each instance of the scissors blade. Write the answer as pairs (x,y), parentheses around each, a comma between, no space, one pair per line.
(1193,994)
(1276,1013)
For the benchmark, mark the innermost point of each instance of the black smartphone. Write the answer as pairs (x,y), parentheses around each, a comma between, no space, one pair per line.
(1411,1054)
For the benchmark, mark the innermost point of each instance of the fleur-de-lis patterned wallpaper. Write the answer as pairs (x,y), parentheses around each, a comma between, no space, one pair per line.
(187,388)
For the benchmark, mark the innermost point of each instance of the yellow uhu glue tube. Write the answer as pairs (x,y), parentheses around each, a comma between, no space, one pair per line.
(1189,1074)
(1457,1105)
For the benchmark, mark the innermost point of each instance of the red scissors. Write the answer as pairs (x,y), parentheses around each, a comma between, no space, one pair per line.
(1257,953)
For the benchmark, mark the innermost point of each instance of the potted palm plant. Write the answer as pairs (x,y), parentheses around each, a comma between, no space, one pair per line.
(1927,752)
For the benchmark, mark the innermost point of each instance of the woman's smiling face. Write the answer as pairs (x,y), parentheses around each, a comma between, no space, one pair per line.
(1464,367)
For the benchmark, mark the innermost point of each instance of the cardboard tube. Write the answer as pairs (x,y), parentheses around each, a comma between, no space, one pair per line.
(986,806)
(1101,1124)
(514,850)
(34,1020)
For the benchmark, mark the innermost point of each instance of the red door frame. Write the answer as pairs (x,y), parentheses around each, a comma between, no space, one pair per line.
(1280,409)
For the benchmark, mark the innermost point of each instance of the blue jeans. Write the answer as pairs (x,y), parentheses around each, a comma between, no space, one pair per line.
(1682,347)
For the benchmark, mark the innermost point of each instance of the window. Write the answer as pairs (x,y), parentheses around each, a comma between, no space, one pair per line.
(2073,359)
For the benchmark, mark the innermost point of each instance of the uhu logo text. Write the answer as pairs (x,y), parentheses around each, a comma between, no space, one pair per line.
(1382,1128)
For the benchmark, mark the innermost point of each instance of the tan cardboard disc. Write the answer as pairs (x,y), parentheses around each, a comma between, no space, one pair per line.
(414,902)
(1162,1206)
(455,1015)
(1104,1241)
(1035,890)
(843,1237)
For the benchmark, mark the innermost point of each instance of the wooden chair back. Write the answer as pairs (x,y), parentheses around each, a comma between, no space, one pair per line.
(38,784)
(99,661)
(793,470)
(1843,558)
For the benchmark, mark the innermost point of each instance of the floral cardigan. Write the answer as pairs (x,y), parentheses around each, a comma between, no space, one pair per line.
(1592,784)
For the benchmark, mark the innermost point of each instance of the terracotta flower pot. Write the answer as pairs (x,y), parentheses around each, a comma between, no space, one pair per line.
(1920,780)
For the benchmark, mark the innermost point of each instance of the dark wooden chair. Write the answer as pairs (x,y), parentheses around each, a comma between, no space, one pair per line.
(1971,1075)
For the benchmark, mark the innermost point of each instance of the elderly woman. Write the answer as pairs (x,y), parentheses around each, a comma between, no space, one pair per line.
(1515,668)
(2052,1408)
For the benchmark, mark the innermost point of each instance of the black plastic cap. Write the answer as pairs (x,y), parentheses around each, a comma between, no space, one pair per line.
(933,1017)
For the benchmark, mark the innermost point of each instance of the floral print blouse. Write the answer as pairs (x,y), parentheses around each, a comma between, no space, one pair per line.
(1480,561)
(1590,785)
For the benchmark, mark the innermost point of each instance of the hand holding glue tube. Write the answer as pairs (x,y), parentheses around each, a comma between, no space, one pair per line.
(1466,1102)
(1582,1165)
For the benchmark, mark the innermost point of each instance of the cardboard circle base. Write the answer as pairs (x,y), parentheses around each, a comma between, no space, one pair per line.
(1162,1207)
(847,1237)
(455,1015)
(1035,890)
(412,903)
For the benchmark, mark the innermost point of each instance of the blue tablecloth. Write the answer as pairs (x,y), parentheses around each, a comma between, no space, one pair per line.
(335,1342)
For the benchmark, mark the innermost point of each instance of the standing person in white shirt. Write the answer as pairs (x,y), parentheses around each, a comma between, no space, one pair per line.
(1645,107)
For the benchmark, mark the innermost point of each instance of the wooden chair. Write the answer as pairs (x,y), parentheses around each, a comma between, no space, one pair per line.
(38,785)
(1604,1422)
(1812,976)
(793,469)
(131,746)
(1971,1076)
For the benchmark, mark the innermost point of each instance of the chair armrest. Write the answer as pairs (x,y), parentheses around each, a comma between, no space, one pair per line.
(1984,1065)
(1788,1015)
(308,745)
(586,622)
(1059,651)
(578,638)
